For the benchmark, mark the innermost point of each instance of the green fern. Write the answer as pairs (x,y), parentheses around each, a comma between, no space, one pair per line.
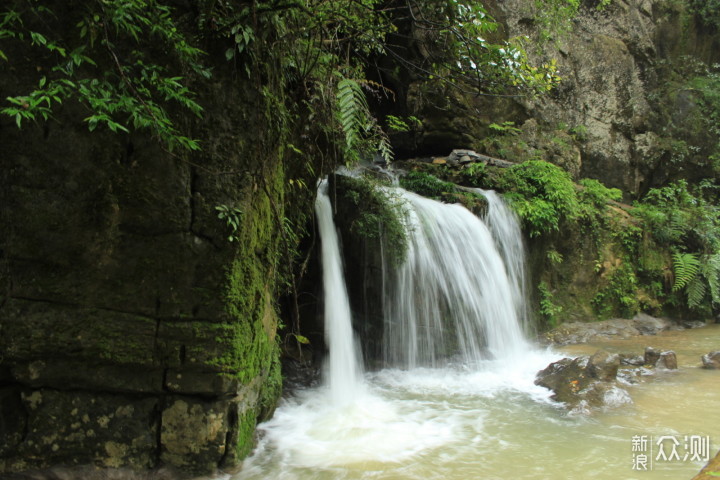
(686,266)
(353,113)
(711,271)
(362,133)
(695,291)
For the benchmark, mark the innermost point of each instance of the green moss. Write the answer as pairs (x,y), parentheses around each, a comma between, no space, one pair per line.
(247,344)
(245,437)
(378,215)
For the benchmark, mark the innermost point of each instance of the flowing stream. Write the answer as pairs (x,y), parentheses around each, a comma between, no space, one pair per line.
(473,412)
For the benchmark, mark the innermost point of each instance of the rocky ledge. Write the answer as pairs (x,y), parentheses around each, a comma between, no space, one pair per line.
(580,332)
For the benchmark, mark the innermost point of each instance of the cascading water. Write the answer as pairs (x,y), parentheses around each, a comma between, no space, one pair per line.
(343,371)
(505,228)
(452,302)
(454,297)
(447,423)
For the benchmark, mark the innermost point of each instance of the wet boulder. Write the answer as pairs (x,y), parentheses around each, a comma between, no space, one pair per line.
(711,360)
(660,359)
(584,383)
(632,360)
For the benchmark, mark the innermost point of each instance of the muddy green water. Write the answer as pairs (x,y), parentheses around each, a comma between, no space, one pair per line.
(493,423)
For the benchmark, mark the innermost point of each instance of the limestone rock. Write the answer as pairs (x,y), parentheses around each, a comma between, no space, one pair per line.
(711,360)
(194,434)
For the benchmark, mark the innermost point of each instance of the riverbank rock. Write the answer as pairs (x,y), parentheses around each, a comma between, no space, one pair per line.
(711,360)
(585,383)
(711,471)
(580,332)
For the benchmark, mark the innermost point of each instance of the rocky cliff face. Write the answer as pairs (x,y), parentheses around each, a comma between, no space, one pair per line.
(132,332)
(623,113)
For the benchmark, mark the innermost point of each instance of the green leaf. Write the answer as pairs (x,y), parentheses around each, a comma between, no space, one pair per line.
(686,266)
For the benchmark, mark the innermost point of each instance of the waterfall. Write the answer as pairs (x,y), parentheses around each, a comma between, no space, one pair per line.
(451,302)
(457,297)
(505,228)
(343,371)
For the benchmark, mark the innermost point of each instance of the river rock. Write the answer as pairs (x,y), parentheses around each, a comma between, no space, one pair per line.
(711,360)
(632,360)
(584,383)
(661,359)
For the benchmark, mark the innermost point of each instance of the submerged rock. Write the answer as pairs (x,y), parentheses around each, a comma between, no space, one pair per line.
(711,360)
(585,383)
(579,332)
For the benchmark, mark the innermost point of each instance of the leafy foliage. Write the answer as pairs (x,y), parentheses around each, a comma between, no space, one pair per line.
(542,194)
(321,48)
(426,185)
(708,11)
(620,296)
(549,310)
(100,63)
(686,267)
(689,224)
(474,174)
(233,218)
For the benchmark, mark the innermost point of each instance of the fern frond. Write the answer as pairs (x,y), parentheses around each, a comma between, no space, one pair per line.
(695,291)
(677,225)
(353,111)
(686,266)
(384,146)
(711,271)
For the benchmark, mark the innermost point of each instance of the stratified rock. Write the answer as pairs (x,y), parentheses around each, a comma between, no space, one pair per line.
(585,383)
(711,360)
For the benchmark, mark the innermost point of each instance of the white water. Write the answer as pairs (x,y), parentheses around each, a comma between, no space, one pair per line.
(483,418)
(454,300)
(343,371)
(452,306)
(505,228)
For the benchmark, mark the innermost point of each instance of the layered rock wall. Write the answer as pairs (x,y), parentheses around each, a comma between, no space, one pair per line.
(132,332)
